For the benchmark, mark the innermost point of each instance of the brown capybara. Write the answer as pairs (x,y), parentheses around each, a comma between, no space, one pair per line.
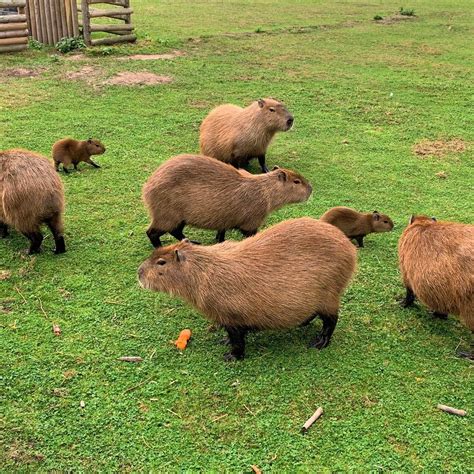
(236,135)
(282,277)
(31,194)
(68,151)
(356,225)
(437,266)
(206,193)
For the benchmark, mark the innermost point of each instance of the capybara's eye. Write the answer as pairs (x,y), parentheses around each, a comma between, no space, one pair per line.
(161,261)
(297,181)
(385,222)
(271,109)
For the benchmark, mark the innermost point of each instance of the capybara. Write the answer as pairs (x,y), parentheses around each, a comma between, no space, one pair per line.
(68,151)
(437,266)
(206,193)
(356,225)
(236,135)
(31,194)
(282,277)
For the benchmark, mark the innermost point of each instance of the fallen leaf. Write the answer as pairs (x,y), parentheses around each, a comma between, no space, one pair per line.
(442,174)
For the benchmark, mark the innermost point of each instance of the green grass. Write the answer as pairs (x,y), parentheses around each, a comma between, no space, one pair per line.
(362,94)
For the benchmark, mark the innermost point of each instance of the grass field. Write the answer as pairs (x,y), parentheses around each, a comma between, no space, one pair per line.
(363,94)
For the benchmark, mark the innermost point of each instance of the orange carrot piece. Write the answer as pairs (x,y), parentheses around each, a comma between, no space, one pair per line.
(183,339)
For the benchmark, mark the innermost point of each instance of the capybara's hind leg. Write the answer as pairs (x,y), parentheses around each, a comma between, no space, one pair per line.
(360,240)
(35,241)
(261,162)
(177,233)
(324,337)
(237,342)
(154,235)
(248,233)
(409,298)
(305,323)
(3,230)
(220,236)
(439,315)
(56,227)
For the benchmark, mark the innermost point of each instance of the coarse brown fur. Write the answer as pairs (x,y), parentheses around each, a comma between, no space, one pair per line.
(68,151)
(356,225)
(31,194)
(437,266)
(236,135)
(280,278)
(206,193)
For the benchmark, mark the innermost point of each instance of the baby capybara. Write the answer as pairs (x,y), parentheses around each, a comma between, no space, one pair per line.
(31,194)
(280,278)
(356,225)
(68,151)
(236,135)
(206,193)
(437,266)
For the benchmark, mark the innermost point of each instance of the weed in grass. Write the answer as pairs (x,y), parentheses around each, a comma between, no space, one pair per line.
(406,11)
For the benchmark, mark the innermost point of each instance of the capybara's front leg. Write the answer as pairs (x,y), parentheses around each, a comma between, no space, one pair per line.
(237,342)
(75,166)
(324,337)
(154,235)
(3,230)
(360,240)
(56,227)
(305,323)
(261,162)
(95,165)
(248,233)
(220,236)
(437,314)
(35,239)
(177,233)
(65,169)
(409,298)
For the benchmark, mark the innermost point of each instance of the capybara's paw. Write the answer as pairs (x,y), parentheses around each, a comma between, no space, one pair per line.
(31,251)
(404,303)
(466,355)
(435,314)
(59,251)
(225,341)
(320,342)
(230,357)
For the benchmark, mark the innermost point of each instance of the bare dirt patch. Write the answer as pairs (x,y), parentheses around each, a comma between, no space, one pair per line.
(138,79)
(439,147)
(390,20)
(75,57)
(24,454)
(152,57)
(22,72)
(84,73)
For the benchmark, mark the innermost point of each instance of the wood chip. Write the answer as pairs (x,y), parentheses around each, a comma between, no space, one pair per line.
(311,420)
(56,330)
(130,359)
(256,469)
(453,411)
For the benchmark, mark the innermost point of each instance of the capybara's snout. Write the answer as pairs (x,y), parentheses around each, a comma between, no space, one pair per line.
(289,122)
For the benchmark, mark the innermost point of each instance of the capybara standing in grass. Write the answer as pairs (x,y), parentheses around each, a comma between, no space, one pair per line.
(356,225)
(206,193)
(31,194)
(437,266)
(282,277)
(236,135)
(68,151)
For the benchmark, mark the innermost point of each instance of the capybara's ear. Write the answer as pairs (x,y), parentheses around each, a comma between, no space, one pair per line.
(282,175)
(376,216)
(433,219)
(375,212)
(412,219)
(89,141)
(179,256)
(261,103)
(276,168)
(185,240)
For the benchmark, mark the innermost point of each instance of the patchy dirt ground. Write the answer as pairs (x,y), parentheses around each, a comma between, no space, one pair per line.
(439,147)
(390,20)
(138,79)
(22,72)
(152,57)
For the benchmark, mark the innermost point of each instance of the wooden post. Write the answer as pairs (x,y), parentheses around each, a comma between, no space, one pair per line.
(86,22)
(75,25)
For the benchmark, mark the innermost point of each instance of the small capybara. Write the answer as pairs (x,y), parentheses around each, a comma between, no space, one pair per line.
(206,193)
(437,266)
(31,194)
(282,277)
(356,225)
(236,135)
(68,151)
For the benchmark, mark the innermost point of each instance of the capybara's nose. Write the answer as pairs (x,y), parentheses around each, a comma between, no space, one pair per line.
(141,272)
(289,122)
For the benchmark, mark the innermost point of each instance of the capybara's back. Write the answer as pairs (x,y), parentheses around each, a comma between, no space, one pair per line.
(31,194)
(437,265)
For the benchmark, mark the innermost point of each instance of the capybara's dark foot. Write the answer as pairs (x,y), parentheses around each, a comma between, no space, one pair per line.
(408,300)
(261,162)
(35,239)
(323,339)
(3,230)
(178,232)
(360,241)
(220,236)
(65,170)
(308,321)
(230,357)
(438,315)
(60,246)
(466,355)
(225,341)
(95,165)
(154,236)
(248,233)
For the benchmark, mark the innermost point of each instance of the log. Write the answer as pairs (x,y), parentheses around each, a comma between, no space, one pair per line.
(13,34)
(9,41)
(119,39)
(30,16)
(86,22)
(110,13)
(453,411)
(120,3)
(13,26)
(12,3)
(13,48)
(13,19)
(111,28)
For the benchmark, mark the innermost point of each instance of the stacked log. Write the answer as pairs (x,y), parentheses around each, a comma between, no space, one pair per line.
(13,28)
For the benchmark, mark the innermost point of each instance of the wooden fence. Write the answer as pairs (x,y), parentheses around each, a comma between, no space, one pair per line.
(51,20)
(13,28)
(118,10)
